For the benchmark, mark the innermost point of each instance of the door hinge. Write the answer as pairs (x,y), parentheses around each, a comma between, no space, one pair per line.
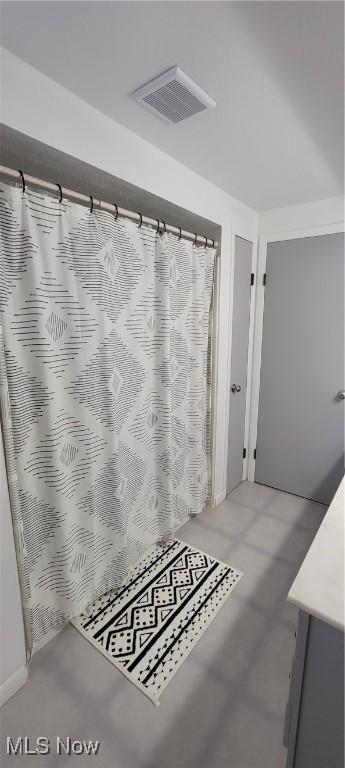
(244,453)
(254,453)
(252,279)
(264,279)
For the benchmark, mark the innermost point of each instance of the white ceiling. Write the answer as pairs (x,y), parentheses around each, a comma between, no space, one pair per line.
(275,70)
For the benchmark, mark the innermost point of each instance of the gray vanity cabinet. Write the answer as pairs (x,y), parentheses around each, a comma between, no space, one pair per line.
(314,724)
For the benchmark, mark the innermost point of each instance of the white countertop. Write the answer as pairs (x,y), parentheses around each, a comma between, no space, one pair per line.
(319,585)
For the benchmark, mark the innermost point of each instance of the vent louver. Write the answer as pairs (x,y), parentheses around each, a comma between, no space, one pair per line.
(173,96)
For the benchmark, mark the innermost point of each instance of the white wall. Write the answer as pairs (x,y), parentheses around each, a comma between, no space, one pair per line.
(302,217)
(13,672)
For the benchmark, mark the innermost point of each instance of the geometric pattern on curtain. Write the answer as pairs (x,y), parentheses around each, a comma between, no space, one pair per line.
(104,369)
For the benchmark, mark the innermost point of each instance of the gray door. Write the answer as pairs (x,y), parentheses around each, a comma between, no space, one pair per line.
(300,441)
(239,360)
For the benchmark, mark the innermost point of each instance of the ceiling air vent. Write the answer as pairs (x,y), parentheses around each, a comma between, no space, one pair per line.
(173,96)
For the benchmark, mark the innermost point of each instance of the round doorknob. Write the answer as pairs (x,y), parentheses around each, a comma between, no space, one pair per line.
(235,388)
(341,394)
(238,388)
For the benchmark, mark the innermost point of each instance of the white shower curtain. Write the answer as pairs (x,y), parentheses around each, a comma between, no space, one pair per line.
(104,367)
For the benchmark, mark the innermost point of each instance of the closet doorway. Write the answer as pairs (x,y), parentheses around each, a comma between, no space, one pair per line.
(300,431)
(243,282)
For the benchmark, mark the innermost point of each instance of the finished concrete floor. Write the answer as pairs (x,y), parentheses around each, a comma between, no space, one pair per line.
(225,707)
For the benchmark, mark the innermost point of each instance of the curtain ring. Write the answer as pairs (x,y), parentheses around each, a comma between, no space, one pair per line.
(206,241)
(165,229)
(180,235)
(116,210)
(195,239)
(91,203)
(158,227)
(60,191)
(23,180)
(141,220)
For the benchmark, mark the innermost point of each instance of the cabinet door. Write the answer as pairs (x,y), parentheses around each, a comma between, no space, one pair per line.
(320,734)
(314,725)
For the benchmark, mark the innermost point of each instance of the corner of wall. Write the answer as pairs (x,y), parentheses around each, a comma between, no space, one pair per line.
(302,217)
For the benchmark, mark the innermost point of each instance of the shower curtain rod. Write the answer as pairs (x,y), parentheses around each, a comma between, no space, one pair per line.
(160,225)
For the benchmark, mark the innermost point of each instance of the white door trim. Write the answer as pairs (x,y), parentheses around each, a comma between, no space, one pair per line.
(230,318)
(250,356)
(313,231)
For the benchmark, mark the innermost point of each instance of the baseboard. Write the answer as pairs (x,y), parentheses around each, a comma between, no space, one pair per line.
(12,685)
(218,499)
(47,638)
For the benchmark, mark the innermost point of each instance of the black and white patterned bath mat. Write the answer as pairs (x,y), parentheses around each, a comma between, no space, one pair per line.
(150,626)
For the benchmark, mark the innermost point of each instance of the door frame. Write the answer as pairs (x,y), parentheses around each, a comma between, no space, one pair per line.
(254,243)
(294,234)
